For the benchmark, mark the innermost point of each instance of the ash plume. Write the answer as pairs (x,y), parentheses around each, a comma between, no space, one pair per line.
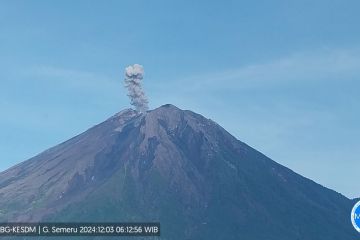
(133,77)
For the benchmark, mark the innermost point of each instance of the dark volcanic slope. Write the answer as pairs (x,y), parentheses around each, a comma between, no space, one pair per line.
(178,168)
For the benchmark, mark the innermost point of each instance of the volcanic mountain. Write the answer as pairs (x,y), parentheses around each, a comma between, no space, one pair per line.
(177,168)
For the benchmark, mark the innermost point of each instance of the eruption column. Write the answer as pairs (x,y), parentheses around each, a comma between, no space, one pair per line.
(133,77)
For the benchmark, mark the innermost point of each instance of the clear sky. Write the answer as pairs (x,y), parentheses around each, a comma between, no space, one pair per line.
(282,76)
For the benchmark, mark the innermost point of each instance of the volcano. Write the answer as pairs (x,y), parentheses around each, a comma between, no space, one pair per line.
(178,168)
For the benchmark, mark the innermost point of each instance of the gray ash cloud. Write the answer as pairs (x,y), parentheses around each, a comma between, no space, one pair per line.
(134,75)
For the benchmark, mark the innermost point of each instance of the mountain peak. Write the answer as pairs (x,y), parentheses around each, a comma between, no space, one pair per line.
(168,105)
(130,113)
(166,109)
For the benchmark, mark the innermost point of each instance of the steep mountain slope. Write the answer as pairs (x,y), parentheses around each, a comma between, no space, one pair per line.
(178,168)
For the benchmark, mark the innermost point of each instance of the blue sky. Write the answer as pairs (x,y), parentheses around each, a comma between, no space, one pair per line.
(282,76)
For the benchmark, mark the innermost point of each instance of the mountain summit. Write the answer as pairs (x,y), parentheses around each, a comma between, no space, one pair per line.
(178,168)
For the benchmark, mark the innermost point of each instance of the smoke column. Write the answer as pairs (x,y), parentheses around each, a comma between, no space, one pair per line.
(133,77)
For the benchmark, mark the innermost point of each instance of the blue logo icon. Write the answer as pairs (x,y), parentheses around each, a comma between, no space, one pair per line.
(355,216)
